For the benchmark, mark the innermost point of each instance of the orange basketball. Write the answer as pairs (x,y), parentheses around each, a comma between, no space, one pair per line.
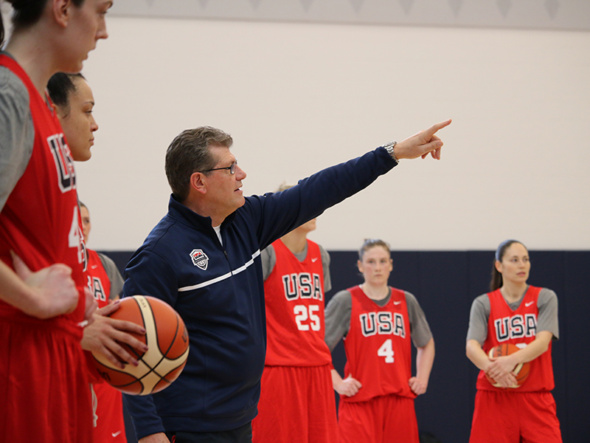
(167,340)
(520,371)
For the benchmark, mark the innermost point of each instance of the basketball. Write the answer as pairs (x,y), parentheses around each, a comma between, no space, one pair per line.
(167,340)
(520,371)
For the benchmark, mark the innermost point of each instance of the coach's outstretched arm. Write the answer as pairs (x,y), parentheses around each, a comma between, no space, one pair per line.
(421,144)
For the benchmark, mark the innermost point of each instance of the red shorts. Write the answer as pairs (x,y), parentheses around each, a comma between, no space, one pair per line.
(110,425)
(43,384)
(386,419)
(297,404)
(506,417)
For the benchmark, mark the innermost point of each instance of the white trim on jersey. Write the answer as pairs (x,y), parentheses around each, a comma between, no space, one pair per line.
(222,277)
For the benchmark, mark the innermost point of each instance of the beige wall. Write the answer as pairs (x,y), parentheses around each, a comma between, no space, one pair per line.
(299,97)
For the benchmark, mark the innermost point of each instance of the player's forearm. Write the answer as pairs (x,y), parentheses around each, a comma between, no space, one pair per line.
(336,379)
(476,354)
(425,360)
(15,292)
(534,348)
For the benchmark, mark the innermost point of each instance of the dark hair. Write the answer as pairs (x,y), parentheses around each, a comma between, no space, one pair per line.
(27,13)
(189,153)
(371,243)
(497,281)
(60,86)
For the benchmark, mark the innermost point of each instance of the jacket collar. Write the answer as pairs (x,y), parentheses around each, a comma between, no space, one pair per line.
(187,216)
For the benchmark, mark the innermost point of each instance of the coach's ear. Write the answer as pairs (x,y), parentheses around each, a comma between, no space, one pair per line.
(198,182)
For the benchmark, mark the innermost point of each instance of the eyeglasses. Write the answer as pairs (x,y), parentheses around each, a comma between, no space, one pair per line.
(231,168)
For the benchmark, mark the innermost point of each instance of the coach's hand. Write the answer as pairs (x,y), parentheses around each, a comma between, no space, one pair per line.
(421,144)
(155,438)
(106,334)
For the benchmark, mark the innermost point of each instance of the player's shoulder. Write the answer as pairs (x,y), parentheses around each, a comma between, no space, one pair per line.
(410,298)
(14,95)
(268,256)
(343,296)
(482,301)
(269,250)
(12,86)
(105,259)
(482,298)
(547,295)
(323,250)
(546,292)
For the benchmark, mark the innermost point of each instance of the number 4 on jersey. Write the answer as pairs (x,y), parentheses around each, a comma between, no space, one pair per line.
(386,350)
(76,238)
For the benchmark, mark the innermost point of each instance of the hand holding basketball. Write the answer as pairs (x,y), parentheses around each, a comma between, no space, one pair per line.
(168,346)
(106,335)
(512,376)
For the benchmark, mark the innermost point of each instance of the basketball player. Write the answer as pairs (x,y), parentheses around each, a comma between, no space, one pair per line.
(106,284)
(74,103)
(378,324)
(296,397)
(526,316)
(40,377)
(203,258)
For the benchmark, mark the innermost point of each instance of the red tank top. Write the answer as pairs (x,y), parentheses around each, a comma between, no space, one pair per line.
(41,221)
(294,298)
(517,327)
(109,409)
(98,280)
(378,346)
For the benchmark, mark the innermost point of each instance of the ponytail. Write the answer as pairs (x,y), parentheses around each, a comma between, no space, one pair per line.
(496,281)
(1,29)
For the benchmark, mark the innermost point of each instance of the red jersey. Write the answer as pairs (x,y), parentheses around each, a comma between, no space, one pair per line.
(40,379)
(110,426)
(378,346)
(294,298)
(41,221)
(517,327)
(98,280)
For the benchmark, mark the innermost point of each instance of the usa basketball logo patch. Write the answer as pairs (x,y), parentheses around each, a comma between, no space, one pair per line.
(200,259)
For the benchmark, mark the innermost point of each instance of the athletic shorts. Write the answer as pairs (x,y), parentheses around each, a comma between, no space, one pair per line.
(110,425)
(506,417)
(385,419)
(297,404)
(44,381)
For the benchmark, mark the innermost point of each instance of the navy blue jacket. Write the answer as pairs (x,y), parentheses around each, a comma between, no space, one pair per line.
(219,292)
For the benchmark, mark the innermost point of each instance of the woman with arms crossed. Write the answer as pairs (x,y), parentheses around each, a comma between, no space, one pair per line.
(526,316)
